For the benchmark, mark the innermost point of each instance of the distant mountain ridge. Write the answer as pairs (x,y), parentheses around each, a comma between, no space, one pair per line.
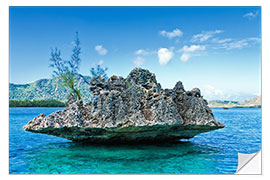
(44,89)
(252,102)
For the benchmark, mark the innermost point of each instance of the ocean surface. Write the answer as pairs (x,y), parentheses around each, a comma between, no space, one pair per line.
(213,152)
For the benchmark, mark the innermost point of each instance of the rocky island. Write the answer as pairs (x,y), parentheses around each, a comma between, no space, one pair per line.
(130,109)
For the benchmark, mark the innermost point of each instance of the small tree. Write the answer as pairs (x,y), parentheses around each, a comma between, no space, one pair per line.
(57,63)
(75,60)
(69,81)
(99,71)
(67,70)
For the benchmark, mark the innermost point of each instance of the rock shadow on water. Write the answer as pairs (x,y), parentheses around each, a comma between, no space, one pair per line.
(166,158)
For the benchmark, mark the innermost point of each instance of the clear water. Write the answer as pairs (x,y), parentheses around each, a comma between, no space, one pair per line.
(208,153)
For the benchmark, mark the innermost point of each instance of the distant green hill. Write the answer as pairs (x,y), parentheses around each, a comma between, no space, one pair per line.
(252,102)
(45,89)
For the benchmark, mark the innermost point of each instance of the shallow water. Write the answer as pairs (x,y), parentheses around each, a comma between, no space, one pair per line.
(208,153)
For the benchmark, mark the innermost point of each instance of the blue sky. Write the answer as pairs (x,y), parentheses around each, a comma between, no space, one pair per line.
(217,49)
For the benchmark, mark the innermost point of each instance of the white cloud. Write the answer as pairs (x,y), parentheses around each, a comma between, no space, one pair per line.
(217,40)
(100,62)
(188,52)
(170,35)
(138,61)
(235,45)
(239,44)
(254,39)
(251,15)
(212,93)
(164,56)
(211,89)
(192,48)
(204,36)
(144,52)
(94,64)
(101,51)
(185,57)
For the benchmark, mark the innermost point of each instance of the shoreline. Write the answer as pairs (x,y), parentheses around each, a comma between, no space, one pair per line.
(36,107)
(235,107)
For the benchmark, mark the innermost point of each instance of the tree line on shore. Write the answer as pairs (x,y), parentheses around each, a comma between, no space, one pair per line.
(36,103)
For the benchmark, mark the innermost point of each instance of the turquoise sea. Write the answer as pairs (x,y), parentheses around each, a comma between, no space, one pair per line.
(208,153)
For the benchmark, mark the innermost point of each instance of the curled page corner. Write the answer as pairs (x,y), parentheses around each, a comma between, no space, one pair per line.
(249,163)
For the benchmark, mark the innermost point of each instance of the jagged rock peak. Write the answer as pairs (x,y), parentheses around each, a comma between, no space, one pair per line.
(144,78)
(179,88)
(138,77)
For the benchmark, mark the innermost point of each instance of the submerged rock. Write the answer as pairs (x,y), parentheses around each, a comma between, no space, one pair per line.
(128,110)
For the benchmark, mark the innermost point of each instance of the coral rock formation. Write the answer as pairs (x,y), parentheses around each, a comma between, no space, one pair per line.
(128,110)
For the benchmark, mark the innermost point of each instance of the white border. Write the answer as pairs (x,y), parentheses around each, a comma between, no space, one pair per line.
(134,2)
(4,169)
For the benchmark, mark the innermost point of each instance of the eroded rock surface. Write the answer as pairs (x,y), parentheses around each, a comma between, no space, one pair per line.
(129,109)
